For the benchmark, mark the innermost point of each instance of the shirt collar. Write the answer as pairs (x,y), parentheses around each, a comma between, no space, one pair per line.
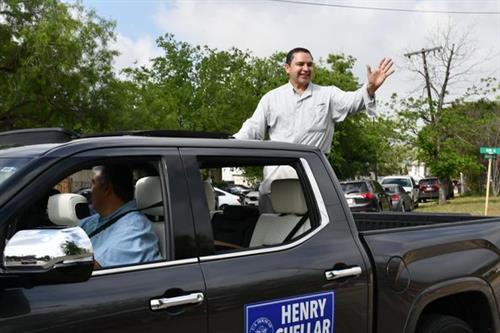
(307,93)
(129,206)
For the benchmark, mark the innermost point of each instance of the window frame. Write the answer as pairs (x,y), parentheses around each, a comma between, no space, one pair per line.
(309,185)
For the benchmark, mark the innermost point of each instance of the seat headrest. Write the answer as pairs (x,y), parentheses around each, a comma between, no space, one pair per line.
(287,197)
(209,194)
(148,193)
(67,208)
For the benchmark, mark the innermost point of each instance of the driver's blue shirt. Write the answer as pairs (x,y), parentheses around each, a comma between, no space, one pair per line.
(130,240)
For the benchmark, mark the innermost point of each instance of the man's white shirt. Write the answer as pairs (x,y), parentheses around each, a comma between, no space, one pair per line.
(306,119)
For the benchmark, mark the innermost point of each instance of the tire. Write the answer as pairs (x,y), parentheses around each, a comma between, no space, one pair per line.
(443,324)
(403,208)
(222,207)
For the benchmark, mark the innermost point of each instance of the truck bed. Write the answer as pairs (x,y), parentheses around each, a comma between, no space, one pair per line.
(379,221)
(417,256)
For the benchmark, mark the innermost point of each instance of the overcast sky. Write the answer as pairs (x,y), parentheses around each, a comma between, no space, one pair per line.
(263,27)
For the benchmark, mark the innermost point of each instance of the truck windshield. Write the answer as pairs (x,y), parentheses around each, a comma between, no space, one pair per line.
(9,166)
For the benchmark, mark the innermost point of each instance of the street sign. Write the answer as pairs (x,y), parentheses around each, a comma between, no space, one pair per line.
(490,153)
(490,150)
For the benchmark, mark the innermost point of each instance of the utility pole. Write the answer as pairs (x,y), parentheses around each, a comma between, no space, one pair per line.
(432,120)
(423,52)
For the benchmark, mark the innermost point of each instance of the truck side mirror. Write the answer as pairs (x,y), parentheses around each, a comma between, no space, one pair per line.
(48,256)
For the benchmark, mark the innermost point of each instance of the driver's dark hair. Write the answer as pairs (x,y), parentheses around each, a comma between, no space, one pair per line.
(291,53)
(120,177)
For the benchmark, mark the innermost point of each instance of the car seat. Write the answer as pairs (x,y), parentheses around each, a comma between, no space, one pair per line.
(149,201)
(287,199)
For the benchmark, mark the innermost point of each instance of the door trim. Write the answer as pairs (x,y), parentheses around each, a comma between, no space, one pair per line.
(107,271)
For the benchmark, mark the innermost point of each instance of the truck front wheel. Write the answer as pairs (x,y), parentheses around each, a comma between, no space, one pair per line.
(443,324)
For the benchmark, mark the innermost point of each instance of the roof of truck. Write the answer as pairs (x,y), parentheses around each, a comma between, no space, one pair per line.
(19,146)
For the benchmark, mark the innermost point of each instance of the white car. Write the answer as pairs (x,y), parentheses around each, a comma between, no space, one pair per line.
(226,199)
(407,182)
(252,198)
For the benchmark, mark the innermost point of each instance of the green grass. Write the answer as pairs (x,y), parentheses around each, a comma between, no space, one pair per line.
(467,204)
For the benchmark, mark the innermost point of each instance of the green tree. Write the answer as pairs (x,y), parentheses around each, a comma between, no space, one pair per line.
(439,69)
(475,124)
(363,145)
(55,66)
(464,125)
(194,88)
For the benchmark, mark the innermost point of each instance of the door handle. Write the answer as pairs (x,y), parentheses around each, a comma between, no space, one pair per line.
(165,303)
(342,273)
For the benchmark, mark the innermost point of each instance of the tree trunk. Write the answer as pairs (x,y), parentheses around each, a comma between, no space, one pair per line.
(443,191)
(495,176)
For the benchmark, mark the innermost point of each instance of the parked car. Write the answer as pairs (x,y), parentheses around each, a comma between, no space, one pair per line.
(400,200)
(225,198)
(240,190)
(252,198)
(365,196)
(408,183)
(313,266)
(429,188)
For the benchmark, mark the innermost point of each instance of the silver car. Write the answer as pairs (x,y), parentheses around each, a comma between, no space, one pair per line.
(400,200)
(408,183)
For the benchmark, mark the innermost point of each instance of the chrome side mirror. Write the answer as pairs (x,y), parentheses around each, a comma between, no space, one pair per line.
(66,252)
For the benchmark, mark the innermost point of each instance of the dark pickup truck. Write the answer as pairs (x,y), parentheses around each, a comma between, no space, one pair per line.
(310,266)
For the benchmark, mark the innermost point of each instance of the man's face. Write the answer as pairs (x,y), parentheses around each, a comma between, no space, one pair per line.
(98,193)
(300,70)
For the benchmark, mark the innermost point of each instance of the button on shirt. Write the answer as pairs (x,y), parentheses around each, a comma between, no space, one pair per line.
(306,119)
(129,240)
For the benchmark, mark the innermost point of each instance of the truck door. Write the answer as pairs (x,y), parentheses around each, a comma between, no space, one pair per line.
(164,295)
(271,271)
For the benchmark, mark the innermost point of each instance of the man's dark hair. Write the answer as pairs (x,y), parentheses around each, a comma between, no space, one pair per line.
(120,177)
(291,53)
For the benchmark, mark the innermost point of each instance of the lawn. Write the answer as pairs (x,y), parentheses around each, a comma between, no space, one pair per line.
(466,204)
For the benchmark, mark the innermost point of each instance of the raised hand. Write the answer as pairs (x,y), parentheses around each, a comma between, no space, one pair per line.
(377,77)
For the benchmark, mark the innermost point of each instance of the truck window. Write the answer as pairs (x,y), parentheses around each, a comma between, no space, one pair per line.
(123,196)
(277,209)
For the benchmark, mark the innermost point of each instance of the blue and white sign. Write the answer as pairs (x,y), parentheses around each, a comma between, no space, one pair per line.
(312,313)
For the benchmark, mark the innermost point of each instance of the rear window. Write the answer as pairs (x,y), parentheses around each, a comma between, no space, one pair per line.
(399,181)
(392,187)
(428,181)
(357,187)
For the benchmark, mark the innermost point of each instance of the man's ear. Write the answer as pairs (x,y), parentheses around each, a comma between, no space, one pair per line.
(287,68)
(107,189)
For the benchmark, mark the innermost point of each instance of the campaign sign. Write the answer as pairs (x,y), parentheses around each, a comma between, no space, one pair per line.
(312,313)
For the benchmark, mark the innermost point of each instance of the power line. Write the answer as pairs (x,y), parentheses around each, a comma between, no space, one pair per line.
(384,8)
